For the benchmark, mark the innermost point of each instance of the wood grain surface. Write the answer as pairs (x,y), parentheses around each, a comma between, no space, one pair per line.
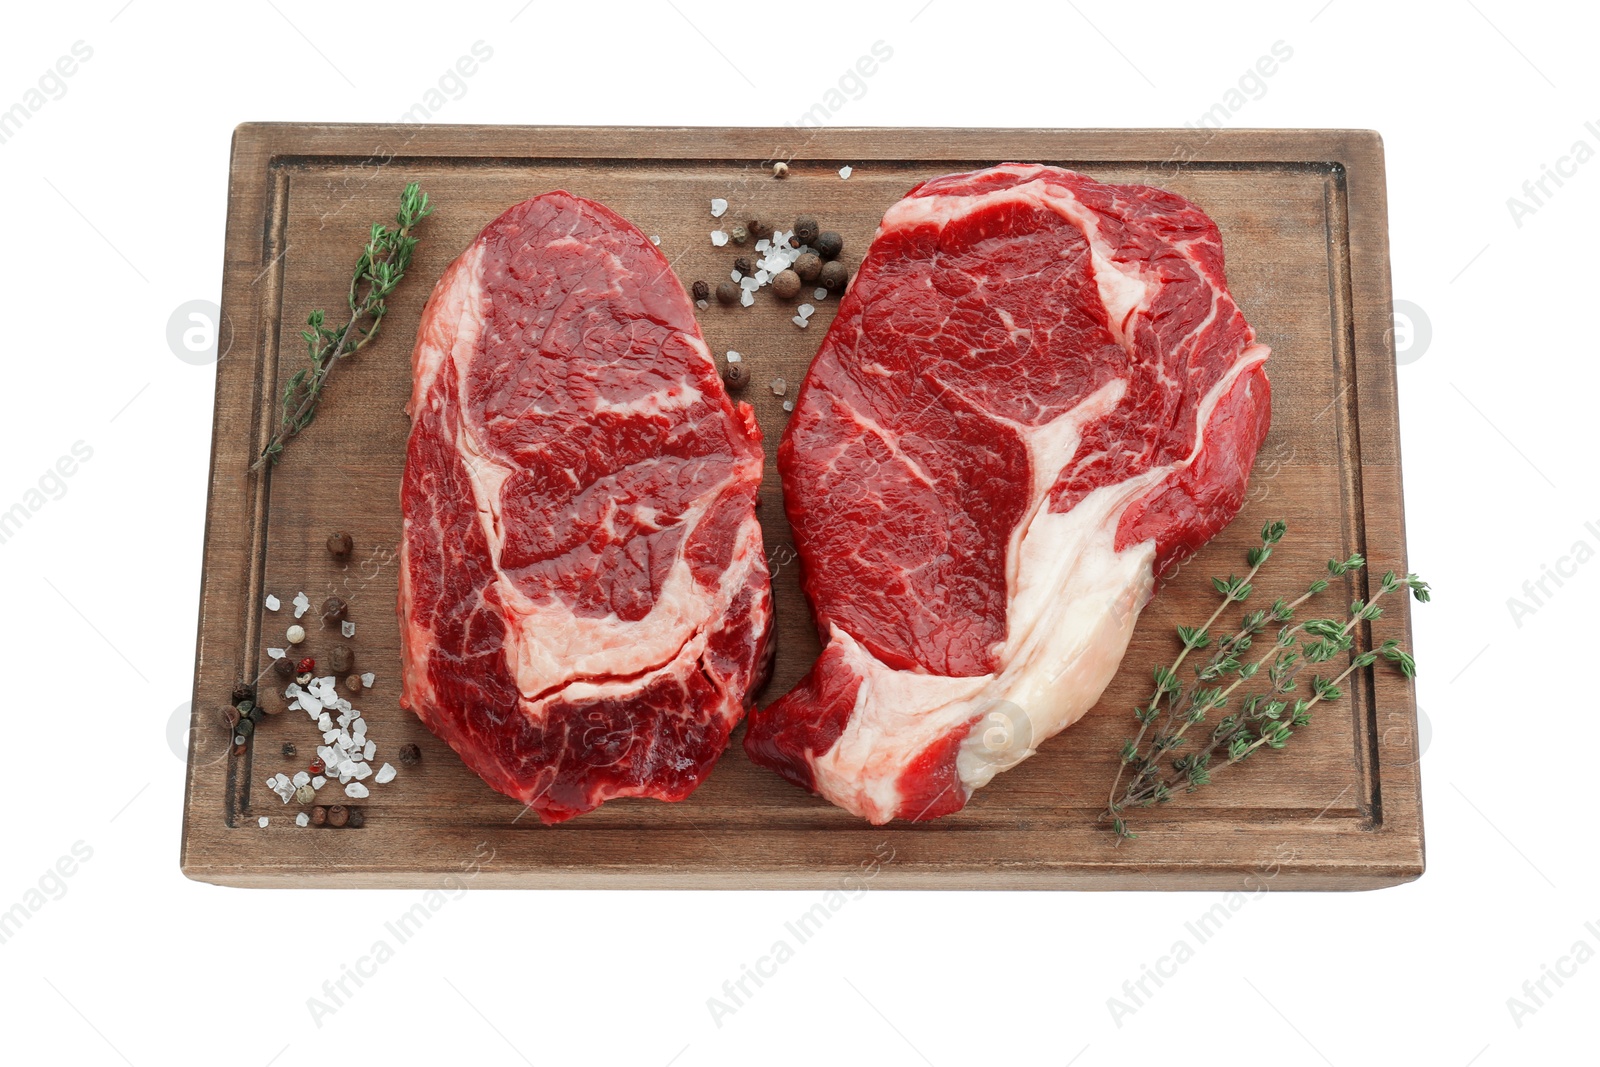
(1304,224)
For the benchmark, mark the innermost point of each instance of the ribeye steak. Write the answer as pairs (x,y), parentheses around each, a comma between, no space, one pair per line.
(1036,397)
(584,600)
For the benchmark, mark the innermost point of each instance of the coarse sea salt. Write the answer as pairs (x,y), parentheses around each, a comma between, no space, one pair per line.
(262,822)
(805,311)
(357,791)
(385,774)
(734,357)
(845,172)
(367,679)
(788,405)
(302,604)
(819,294)
(718,206)
(302,819)
(347,628)
(655,240)
(747,298)
(779,387)
(799,320)
(275,653)
(273,603)
(719,238)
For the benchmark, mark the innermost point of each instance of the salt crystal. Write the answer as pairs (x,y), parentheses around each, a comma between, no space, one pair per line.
(273,604)
(751,284)
(702,304)
(302,778)
(330,736)
(358,725)
(718,206)
(719,238)
(277,653)
(347,628)
(361,770)
(357,791)
(799,320)
(805,310)
(779,387)
(747,298)
(734,357)
(788,405)
(735,275)
(370,749)
(655,240)
(819,294)
(763,244)
(366,681)
(318,782)
(845,172)
(302,604)
(262,822)
(385,774)
(302,819)
(763,277)
(324,722)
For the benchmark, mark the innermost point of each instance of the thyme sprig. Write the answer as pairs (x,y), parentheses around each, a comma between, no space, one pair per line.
(1264,719)
(378,272)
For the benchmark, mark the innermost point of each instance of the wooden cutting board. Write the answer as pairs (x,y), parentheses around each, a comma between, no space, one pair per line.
(1303,219)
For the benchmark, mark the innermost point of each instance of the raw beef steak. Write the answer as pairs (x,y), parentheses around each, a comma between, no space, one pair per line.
(1036,397)
(584,603)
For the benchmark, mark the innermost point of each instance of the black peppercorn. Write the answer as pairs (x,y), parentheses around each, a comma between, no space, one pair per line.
(808,267)
(340,545)
(288,750)
(410,754)
(243,691)
(334,611)
(283,667)
(341,659)
(758,229)
(338,815)
(735,377)
(828,244)
(806,228)
(727,293)
(744,266)
(701,291)
(357,818)
(834,276)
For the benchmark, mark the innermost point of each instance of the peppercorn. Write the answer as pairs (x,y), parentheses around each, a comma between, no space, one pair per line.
(243,691)
(739,235)
(341,659)
(410,754)
(295,634)
(744,266)
(244,728)
(305,794)
(317,766)
(319,815)
(231,715)
(780,169)
(305,666)
(253,715)
(727,293)
(701,291)
(245,706)
(334,611)
(288,750)
(303,679)
(338,815)
(786,283)
(340,545)
(354,683)
(758,229)
(834,275)
(808,267)
(284,666)
(828,244)
(806,228)
(793,242)
(357,818)
(735,377)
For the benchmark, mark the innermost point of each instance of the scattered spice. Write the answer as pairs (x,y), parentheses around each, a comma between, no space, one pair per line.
(338,815)
(243,691)
(319,815)
(808,267)
(334,610)
(410,754)
(305,666)
(340,545)
(357,818)
(341,659)
(740,235)
(288,750)
(317,766)
(230,715)
(727,293)
(806,228)
(834,276)
(295,634)
(744,266)
(786,283)
(244,727)
(828,244)
(283,666)
(700,291)
(758,229)
(305,794)
(735,377)
(355,683)
(780,169)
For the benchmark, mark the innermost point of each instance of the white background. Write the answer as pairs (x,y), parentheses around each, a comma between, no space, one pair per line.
(112,203)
